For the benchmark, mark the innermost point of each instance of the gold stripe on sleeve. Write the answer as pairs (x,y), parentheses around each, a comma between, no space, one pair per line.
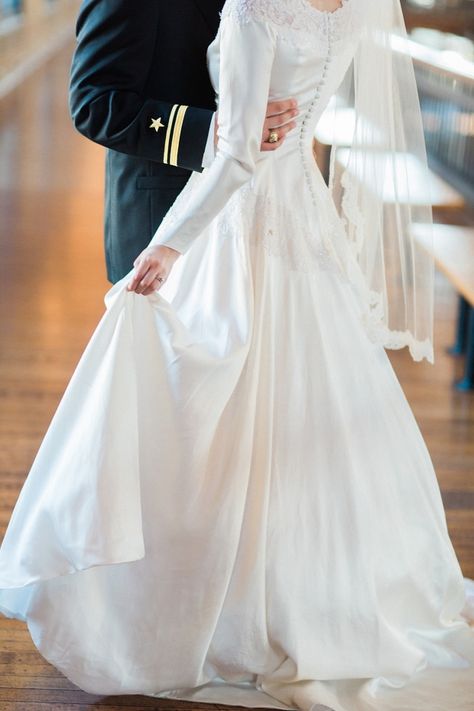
(177,135)
(168,133)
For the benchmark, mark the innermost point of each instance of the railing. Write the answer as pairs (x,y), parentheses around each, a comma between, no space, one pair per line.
(437,6)
(446,89)
(446,15)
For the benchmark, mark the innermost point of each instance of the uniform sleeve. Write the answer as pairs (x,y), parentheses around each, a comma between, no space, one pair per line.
(110,69)
(246,59)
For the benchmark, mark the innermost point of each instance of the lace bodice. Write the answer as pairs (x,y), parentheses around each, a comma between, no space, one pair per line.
(276,49)
(289,16)
(312,49)
(267,49)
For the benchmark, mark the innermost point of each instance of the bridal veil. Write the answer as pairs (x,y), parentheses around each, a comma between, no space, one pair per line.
(380,182)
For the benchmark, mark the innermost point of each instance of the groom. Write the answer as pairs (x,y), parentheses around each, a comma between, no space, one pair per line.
(140,86)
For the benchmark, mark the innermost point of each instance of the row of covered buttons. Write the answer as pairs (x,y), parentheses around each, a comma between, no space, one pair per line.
(313,103)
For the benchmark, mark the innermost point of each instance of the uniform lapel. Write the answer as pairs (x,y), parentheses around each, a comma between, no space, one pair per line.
(210,10)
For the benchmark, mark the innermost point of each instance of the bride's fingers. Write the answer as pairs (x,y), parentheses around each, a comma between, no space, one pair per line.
(145,282)
(148,282)
(136,276)
(140,271)
(151,290)
(142,267)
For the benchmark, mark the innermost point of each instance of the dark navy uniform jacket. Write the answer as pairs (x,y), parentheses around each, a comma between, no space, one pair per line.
(140,86)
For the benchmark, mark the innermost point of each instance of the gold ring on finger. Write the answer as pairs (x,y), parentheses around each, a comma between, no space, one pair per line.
(273,137)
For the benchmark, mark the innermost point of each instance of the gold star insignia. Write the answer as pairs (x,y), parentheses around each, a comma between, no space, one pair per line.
(156,124)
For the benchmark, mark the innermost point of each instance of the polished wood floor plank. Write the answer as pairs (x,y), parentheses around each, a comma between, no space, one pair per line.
(52,284)
(446,420)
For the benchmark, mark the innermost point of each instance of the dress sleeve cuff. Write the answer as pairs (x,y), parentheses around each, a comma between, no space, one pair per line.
(210,150)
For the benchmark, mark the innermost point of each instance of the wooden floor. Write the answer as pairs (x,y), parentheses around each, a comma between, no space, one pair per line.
(52,283)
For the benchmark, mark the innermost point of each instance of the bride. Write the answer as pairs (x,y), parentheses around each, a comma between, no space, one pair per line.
(233,502)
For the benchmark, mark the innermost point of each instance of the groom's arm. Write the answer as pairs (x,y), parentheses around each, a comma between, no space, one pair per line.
(111,65)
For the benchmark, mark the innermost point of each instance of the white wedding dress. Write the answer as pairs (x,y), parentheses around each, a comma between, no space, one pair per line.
(233,502)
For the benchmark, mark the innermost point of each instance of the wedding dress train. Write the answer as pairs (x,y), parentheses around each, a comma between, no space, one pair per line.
(233,502)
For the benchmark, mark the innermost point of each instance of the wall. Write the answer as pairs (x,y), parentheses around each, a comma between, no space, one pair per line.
(30,36)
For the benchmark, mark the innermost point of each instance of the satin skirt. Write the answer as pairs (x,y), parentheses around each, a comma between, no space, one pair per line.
(234,503)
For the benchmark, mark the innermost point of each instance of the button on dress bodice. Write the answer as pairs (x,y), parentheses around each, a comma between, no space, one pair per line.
(313,52)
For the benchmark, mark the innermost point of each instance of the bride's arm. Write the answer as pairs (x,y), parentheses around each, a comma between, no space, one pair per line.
(246,56)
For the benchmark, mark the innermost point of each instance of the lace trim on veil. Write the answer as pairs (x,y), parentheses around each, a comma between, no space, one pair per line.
(375,318)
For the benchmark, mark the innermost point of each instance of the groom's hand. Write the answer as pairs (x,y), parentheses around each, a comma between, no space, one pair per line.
(280,120)
(152,267)
(280,115)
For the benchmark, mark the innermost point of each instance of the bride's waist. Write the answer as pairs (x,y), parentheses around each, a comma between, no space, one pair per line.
(294,151)
(290,171)
(292,147)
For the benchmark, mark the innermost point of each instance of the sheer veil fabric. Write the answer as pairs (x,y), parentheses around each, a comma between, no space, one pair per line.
(374,188)
(233,502)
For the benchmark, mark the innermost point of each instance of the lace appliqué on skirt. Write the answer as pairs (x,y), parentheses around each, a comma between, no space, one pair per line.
(301,248)
(281,233)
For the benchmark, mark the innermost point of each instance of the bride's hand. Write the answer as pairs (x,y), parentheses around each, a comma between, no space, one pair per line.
(152,267)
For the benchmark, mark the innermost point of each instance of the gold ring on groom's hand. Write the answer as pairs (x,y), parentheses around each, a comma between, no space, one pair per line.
(273,137)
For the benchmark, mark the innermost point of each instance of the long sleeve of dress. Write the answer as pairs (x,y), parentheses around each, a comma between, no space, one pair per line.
(246,58)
